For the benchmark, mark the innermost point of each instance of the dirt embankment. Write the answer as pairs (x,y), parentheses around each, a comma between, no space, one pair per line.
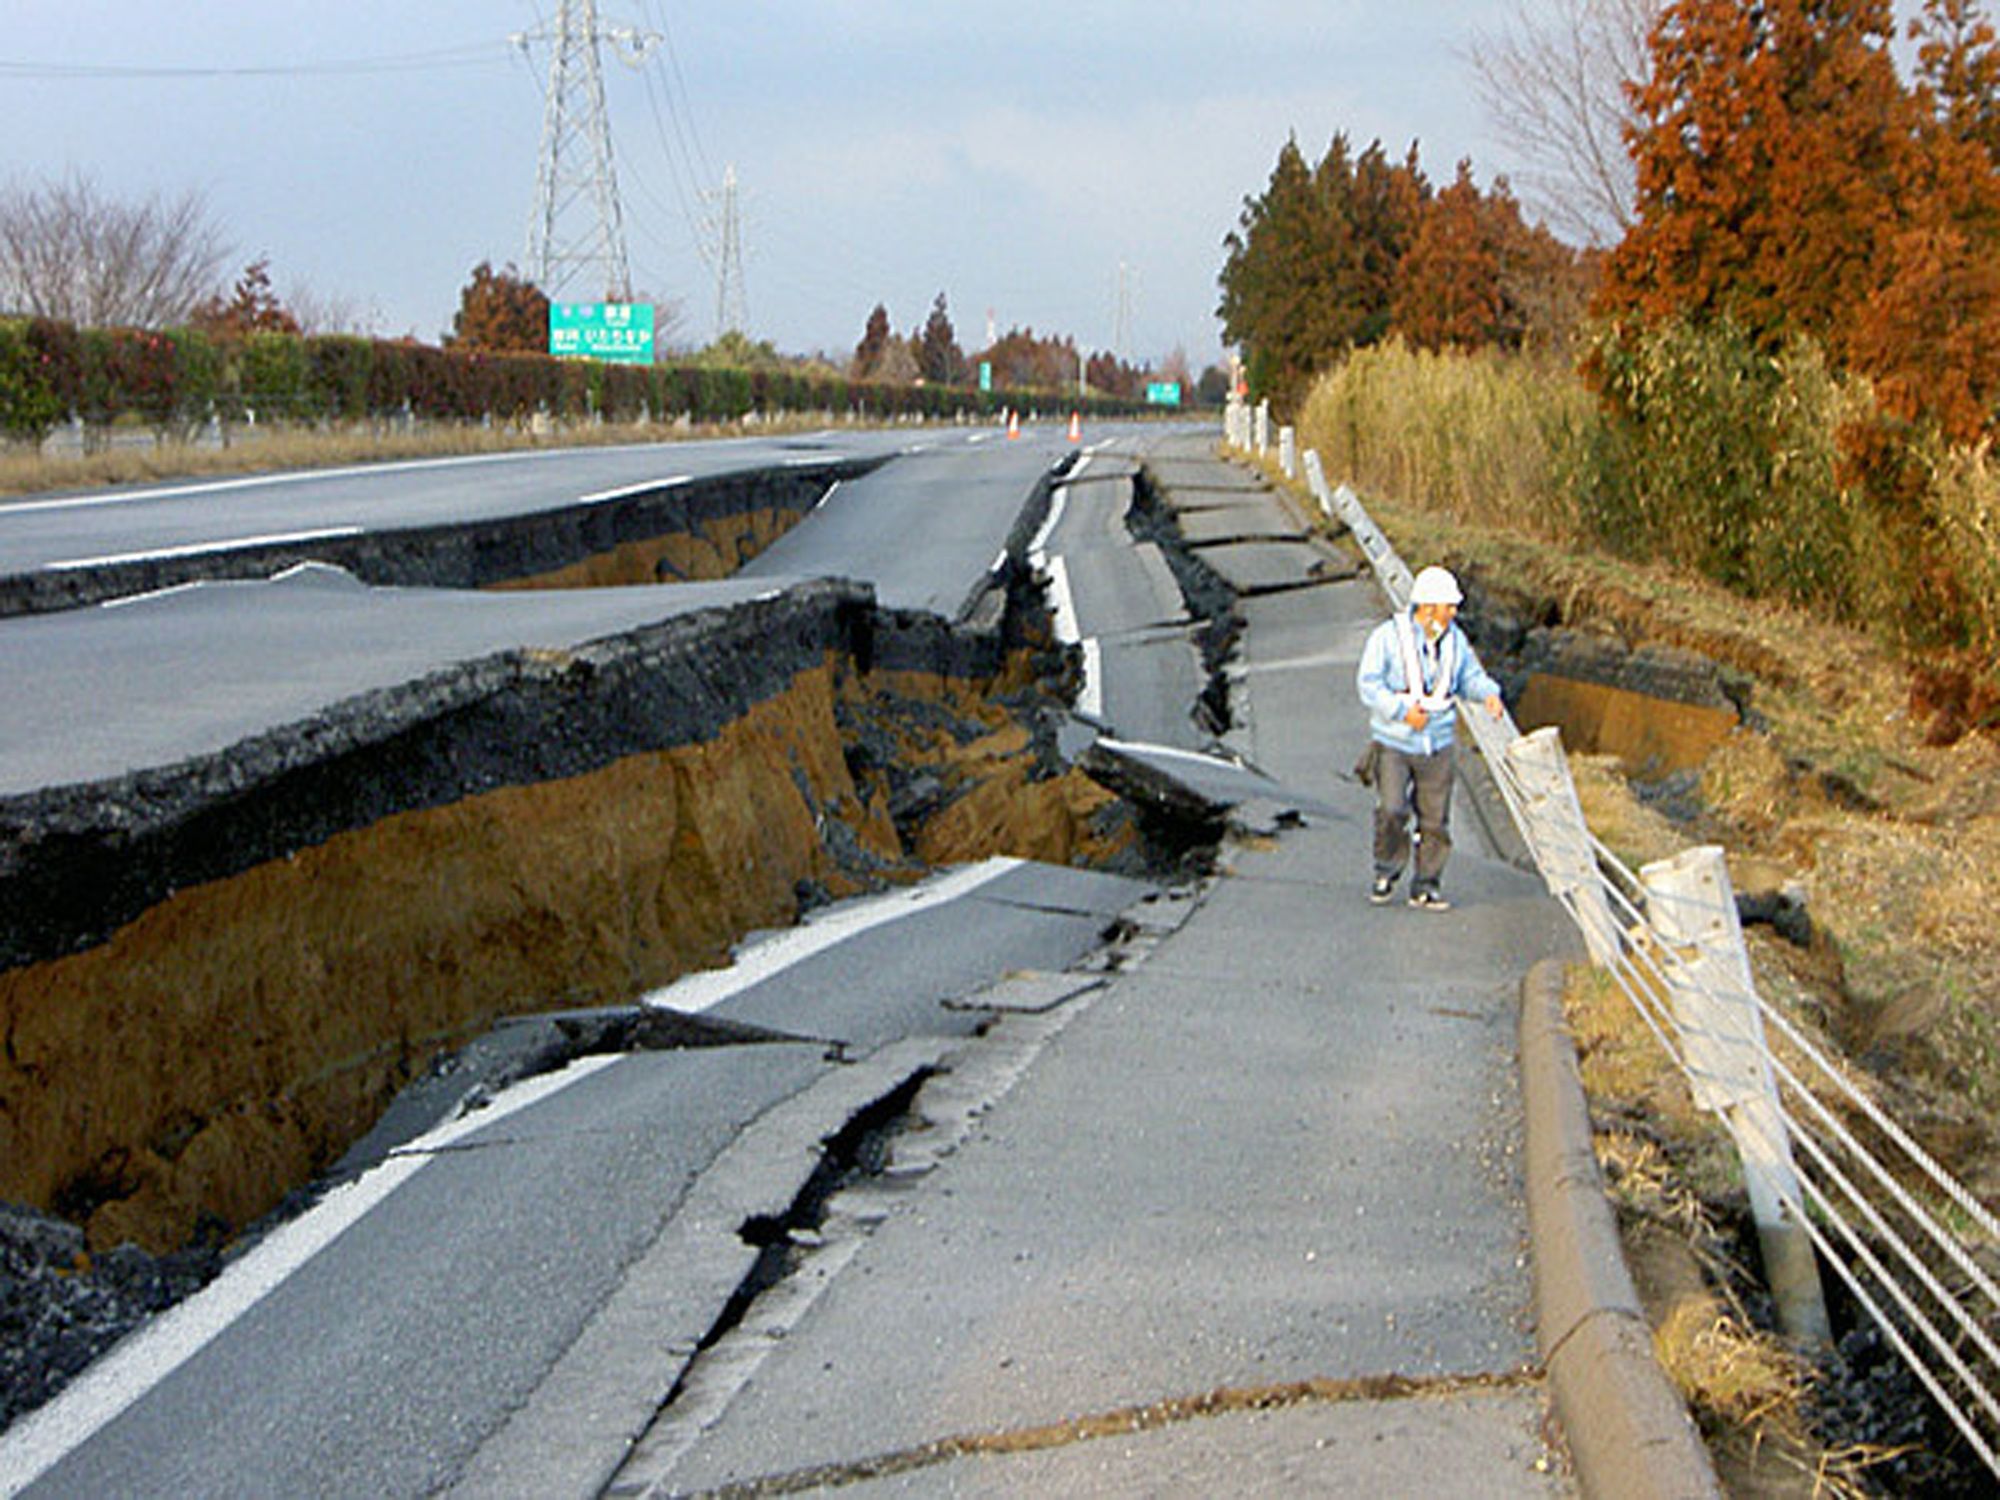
(561,831)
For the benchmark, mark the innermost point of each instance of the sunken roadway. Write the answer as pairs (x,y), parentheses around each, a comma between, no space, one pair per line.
(1022,1180)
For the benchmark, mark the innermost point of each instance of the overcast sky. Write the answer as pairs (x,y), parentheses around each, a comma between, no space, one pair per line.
(1010,155)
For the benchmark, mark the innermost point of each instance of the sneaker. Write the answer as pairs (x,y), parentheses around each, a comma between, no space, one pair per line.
(1382,889)
(1429,900)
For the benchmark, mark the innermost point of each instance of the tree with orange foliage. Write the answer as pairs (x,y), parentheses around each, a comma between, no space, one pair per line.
(252,308)
(501,312)
(1774,155)
(1448,286)
(1930,336)
(1958,70)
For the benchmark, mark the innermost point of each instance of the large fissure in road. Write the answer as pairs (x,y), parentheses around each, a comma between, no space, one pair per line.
(214,977)
(215,993)
(689,527)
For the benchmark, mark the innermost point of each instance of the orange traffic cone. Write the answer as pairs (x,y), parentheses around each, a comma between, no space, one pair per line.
(1075,427)
(1013,424)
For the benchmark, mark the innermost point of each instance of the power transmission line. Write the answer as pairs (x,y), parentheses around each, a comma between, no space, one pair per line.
(480,55)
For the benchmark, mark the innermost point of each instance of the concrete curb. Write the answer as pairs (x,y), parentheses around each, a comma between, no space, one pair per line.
(1628,1432)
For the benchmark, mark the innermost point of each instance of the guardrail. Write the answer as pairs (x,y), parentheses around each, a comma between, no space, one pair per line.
(1834,1180)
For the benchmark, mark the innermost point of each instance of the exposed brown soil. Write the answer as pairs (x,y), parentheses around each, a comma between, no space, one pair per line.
(232,1040)
(716,551)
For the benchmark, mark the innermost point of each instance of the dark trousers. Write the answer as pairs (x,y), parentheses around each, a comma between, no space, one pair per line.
(1406,783)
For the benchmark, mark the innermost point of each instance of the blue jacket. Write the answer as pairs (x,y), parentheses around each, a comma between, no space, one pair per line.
(1382,683)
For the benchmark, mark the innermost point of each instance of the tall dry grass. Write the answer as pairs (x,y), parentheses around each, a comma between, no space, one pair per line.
(1965,492)
(1722,459)
(1484,437)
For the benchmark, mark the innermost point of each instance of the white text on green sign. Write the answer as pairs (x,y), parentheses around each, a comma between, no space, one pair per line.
(618,331)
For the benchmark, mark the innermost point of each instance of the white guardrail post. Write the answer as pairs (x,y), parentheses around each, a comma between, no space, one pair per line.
(1288,452)
(1236,423)
(1552,821)
(1690,906)
(1263,427)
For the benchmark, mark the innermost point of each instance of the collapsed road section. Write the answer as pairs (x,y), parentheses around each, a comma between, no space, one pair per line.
(218,969)
(665,529)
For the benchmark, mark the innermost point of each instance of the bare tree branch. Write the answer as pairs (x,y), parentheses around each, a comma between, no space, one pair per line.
(1553,80)
(68,252)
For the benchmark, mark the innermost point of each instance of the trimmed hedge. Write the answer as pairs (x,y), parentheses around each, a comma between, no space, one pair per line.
(175,379)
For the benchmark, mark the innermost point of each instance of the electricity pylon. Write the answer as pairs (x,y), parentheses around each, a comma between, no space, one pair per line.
(731,302)
(1121,320)
(577,228)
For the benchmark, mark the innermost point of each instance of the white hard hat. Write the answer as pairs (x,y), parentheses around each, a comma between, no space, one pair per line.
(1435,586)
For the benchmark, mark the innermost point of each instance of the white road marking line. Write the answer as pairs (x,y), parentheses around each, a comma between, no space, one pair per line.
(1040,544)
(1090,697)
(150,594)
(196,549)
(1064,606)
(1170,752)
(297,476)
(43,1438)
(780,951)
(625,491)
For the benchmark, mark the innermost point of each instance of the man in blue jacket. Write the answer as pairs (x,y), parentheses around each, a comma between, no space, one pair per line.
(1415,667)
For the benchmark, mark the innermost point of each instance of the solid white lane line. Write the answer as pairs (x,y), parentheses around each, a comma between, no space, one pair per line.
(624,491)
(1062,604)
(297,476)
(43,1438)
(1040,544)
(780,951)
(196,549)
(1172,752)
(1090,696)
(151,594)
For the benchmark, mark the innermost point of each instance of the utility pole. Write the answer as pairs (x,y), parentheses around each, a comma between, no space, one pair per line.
(731,309)
(577,227)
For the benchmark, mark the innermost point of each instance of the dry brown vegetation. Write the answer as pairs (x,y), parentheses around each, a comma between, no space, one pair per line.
(1857,781)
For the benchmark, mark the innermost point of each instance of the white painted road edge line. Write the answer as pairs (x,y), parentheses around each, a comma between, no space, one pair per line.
(1062,603)
(1090,696)
(299,476)
(672,481)
(1170,752)
(780,951)
(146,598)
(1038,548)
(43,1438)
(197,549)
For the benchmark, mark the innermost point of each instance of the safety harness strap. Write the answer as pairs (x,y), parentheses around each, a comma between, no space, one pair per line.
(1432,696)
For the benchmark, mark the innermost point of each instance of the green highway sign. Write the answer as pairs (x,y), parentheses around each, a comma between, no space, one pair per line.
(618,331)
(1164,392)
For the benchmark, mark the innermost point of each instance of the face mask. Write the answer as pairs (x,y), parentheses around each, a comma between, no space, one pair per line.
(1433,630)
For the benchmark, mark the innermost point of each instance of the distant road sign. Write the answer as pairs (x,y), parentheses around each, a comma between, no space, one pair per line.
(1164,392)
(986,374)
(621,332)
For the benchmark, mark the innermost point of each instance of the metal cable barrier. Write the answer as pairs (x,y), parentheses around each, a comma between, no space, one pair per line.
(1834,1181)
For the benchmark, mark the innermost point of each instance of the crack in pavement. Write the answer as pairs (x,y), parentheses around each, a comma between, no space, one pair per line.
(1122,1421)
